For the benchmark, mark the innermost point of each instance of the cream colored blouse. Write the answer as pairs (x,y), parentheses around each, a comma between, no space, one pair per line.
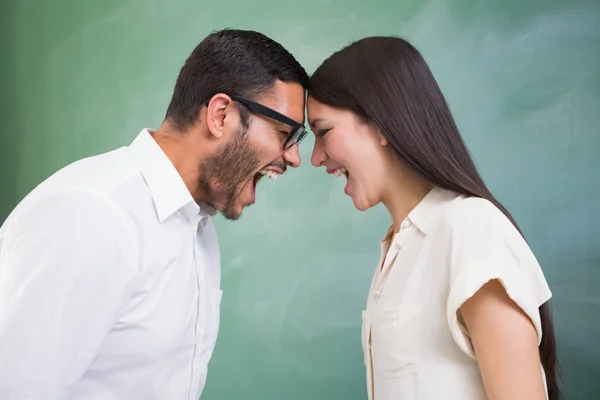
(415,346)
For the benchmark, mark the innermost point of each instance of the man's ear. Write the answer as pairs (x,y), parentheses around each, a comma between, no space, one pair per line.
(216,114)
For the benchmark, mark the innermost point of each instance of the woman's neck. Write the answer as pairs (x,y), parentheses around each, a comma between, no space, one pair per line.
(405,192)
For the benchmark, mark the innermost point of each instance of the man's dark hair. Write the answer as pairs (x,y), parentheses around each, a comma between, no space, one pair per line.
(236,62)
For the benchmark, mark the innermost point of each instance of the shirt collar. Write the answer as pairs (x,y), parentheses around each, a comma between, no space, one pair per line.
(169,192)
(424,213)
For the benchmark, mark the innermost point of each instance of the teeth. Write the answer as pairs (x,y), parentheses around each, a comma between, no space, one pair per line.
(339,172)
(270,174)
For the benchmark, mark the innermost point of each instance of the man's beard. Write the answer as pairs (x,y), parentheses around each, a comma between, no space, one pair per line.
(223,175)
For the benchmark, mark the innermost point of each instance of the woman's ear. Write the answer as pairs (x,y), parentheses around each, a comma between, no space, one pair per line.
(382,139)
(374,129)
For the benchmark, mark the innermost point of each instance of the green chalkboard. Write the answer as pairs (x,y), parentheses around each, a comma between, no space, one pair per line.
(523,80)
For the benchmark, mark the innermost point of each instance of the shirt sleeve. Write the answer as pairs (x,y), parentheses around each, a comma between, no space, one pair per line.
(486,246)
(65,274)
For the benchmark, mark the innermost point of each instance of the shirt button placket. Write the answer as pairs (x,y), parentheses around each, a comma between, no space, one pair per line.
(198,326)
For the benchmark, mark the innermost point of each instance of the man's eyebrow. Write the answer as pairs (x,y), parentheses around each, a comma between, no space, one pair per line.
(282,127)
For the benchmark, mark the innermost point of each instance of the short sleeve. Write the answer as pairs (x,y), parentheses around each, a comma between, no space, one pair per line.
(66,268)
(486,246)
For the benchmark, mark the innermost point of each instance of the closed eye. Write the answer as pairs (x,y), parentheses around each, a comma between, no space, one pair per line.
(322,132)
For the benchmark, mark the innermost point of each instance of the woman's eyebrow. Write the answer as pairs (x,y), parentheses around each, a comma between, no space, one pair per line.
(315,121)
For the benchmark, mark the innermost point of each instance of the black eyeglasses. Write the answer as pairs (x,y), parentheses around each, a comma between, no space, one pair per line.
(298,130)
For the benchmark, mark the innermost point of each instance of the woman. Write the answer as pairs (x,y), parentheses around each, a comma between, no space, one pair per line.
(458,303)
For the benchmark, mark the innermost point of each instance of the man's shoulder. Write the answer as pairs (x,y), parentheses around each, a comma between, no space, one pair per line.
(99,180)
(102,176)
(99,174)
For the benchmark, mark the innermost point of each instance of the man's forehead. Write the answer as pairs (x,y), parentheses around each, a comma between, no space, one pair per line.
(287,99)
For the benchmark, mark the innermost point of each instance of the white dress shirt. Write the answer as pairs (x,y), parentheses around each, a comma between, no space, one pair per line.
(109,283)
(415,344)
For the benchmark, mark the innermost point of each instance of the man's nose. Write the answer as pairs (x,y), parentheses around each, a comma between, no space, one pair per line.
(292,156)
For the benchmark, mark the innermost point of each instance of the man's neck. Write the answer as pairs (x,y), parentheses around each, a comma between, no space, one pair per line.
(178,147)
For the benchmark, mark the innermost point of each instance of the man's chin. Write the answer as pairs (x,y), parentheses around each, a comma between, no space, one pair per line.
(232,214)
(231,211)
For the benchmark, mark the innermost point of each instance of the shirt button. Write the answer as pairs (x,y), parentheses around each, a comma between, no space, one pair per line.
(405,224)
(377,293)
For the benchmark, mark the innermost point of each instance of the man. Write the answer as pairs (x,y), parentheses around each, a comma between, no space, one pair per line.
(110,269)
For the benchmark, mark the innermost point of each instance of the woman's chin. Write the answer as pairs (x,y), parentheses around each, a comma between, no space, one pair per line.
(361,204)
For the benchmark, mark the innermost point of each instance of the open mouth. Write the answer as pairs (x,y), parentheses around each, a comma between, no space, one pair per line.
(343,171)
(340,171)
(269,173)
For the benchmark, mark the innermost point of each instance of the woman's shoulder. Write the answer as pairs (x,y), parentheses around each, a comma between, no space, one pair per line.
(475,228)
(468,212)
(478,226)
